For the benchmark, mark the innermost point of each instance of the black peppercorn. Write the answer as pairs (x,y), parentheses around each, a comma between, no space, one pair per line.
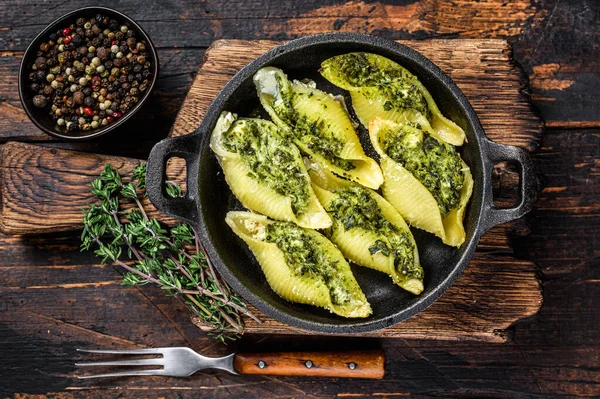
(102,20)
(89,102)
(78,97)
(146,73)
(53,36)
(137,68)
(102,53)
(87,91)
(34,87)
(131,42)
(108,64)
(113,24)
(76,40)
(40,63)
(40,101)
(41,75)
(80,21)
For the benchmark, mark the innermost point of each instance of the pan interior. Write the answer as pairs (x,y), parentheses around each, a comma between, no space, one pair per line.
(390,303)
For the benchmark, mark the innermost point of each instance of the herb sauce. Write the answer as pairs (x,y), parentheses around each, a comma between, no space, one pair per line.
(354,207)
(395,84)
(313,133)
(435,164)
(316,137)
(305,257)
(270,160)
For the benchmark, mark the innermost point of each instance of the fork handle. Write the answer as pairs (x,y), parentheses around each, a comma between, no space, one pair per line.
(349,364)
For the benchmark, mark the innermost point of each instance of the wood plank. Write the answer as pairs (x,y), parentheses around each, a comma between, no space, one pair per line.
(492,293)
(554,354)
(44,189)
(189,29)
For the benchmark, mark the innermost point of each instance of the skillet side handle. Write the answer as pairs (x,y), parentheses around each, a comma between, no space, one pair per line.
(527,184)
(185,147)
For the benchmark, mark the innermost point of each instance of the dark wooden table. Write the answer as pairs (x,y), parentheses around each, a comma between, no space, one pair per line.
(54,299)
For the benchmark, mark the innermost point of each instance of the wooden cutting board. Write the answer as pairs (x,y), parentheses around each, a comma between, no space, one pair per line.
(496,290)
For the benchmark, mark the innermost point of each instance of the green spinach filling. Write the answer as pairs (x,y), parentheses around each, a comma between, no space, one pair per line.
(305,257)
(354,207)
(395,84)
(311,133)
(435,164)
(270,160)
(315,136)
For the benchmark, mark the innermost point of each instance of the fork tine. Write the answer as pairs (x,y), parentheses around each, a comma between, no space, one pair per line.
(123,374)
(137,362)
(147,351)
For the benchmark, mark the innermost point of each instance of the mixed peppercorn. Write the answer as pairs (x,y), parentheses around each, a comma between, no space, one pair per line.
(90,73)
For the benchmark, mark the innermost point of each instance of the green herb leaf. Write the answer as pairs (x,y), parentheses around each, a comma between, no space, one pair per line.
(171,258)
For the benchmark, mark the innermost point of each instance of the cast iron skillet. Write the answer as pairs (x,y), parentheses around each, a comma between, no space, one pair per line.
(208,198)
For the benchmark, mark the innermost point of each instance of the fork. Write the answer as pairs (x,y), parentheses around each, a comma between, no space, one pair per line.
(183,362)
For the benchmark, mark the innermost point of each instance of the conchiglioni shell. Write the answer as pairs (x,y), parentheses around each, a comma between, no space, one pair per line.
(257,195)
(299,289)
(368,102)
(413,201)
(274,88)
(355,243)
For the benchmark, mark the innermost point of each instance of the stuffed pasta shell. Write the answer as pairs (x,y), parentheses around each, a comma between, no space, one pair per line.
(368,230)
(380,87)
(265,171)
(318,123)
(425,178)
(301,265)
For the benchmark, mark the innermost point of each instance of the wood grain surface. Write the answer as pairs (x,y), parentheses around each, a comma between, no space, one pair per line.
(44,189)
(54,299)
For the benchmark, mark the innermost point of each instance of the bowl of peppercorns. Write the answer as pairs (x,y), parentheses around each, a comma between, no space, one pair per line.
(87,73)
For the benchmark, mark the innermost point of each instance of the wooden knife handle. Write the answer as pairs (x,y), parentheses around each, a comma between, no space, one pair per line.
(350,364)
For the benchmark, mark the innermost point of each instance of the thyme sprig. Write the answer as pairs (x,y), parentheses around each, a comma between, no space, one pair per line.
(172,258)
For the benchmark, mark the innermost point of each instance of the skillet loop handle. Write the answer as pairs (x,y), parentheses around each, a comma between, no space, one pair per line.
(527,184)
(185,147)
